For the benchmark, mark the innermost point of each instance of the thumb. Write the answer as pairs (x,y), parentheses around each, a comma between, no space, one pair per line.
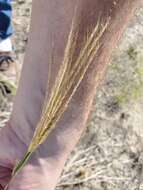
(35,175)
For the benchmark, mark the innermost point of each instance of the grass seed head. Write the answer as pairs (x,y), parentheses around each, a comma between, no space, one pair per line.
(70,75)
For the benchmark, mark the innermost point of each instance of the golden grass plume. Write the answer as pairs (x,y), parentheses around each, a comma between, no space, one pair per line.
(68,80)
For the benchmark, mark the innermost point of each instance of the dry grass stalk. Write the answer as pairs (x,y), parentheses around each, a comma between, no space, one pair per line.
(69,78)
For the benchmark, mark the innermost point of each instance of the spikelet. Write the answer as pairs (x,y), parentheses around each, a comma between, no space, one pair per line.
(68,80)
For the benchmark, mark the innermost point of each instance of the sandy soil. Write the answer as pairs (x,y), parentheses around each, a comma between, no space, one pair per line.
(109,156)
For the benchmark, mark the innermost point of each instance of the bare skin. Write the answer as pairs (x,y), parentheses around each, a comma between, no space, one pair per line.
(51,22)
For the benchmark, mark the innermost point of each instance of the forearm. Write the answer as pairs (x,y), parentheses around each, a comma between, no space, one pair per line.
(51,26)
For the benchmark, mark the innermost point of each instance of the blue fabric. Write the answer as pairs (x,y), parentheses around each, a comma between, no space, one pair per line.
(5,19)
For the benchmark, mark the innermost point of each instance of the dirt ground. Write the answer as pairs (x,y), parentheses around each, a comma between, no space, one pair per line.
(110,154)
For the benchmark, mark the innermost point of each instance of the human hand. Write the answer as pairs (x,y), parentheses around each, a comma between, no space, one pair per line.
(33,176)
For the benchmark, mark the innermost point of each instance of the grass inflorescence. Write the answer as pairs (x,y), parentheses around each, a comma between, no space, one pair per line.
(69,77)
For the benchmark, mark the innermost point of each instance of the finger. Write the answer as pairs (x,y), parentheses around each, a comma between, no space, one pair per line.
(1,188)
(5,175)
